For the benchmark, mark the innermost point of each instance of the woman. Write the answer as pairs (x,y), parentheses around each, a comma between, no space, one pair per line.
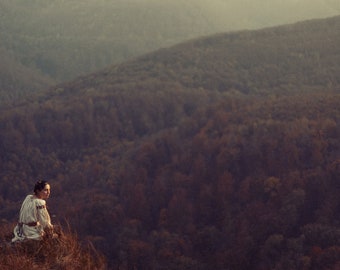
(34,219)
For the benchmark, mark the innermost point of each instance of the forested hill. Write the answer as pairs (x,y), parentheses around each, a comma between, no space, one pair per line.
(18,81)
(218,153)
(67,38)
(279,60)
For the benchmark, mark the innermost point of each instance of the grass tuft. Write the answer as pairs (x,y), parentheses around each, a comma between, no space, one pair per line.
(62,252)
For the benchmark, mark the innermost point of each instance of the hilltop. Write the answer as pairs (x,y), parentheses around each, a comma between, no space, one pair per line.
(65,39)
(217,153)
(280,60)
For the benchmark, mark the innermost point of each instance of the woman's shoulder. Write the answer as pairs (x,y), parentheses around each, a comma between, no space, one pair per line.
(29,197)
(38,202)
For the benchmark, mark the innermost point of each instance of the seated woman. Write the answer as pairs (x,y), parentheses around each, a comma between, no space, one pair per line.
(34,219)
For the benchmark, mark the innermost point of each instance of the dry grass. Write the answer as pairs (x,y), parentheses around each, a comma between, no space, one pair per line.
(63,253)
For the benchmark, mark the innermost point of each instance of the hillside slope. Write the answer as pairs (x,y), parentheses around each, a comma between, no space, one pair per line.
(279,60)
(218,153)
(67,38)
(18,81)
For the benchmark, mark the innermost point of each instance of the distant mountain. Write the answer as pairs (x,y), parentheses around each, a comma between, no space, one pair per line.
(18,81)
(65,39)
(279,60)
(222,152)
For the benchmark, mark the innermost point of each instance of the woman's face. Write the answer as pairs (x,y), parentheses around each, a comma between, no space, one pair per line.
(44,193)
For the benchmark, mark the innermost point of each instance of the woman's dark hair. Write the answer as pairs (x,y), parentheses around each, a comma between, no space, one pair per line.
(40,185)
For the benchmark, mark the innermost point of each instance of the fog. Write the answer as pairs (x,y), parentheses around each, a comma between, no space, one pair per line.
(252,14)
(221,153)
(67,38)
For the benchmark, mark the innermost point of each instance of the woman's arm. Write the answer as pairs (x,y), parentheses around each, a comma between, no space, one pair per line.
(43,216)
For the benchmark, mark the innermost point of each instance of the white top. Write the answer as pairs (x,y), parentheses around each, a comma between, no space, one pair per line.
(33,219)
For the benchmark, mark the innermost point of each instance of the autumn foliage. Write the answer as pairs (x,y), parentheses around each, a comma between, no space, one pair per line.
(161,169)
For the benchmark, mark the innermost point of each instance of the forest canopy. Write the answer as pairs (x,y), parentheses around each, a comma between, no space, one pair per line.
(218,153)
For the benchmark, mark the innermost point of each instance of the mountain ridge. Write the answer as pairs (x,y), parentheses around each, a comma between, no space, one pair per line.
(126,28)
(218,153)
(244,51)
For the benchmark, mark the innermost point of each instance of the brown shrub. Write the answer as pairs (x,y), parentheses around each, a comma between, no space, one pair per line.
(63,252)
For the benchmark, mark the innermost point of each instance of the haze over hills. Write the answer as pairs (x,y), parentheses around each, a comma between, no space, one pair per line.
(18,81)
(64,39)
(269,61)
(218,153)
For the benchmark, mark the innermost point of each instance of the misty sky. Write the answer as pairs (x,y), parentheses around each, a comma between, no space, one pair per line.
(262,13)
